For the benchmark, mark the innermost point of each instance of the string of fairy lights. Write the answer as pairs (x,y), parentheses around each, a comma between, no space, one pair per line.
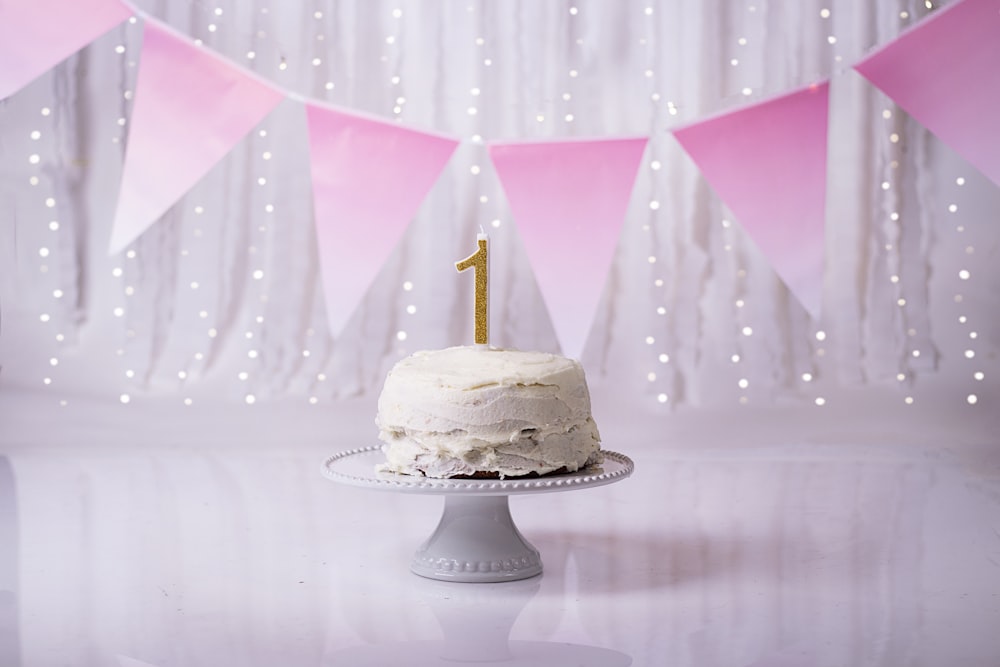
(964,275)
(53,315)
(57,316)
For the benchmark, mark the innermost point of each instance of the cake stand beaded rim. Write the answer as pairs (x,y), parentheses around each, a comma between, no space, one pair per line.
(616,467)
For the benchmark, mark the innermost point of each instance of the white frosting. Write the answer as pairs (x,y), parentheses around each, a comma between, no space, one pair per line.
(466,409)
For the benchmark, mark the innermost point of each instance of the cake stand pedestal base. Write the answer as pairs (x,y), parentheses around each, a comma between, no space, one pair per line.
(476,541)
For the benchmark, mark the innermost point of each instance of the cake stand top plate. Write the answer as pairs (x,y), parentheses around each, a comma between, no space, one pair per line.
(357,468)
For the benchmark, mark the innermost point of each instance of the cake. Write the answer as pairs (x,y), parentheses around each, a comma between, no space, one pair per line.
(486,412)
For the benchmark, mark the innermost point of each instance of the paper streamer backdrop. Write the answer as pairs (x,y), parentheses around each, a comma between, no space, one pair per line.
(568,200)
(130,323)
(767,162)
(202,126)
(945,72)
(191,108)
(36,35)
(369,178)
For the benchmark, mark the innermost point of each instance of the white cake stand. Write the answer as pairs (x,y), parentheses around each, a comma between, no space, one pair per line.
(476,539)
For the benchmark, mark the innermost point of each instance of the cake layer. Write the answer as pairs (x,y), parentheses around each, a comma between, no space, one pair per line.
(465,410)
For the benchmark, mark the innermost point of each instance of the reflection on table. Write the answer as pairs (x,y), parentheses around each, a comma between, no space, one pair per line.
(796,555)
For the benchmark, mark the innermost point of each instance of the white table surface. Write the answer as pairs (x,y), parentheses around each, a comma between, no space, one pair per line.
(128,538)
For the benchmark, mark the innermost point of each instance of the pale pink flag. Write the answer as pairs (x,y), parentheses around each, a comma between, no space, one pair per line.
(191,107)
(369,178)
(36,35)
(945,72)
(569,199)
(767,162)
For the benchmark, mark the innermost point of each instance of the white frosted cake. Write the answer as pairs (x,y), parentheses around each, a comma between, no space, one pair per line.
(486,412)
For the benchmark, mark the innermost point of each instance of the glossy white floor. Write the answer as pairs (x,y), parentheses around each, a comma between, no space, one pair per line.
(147,535)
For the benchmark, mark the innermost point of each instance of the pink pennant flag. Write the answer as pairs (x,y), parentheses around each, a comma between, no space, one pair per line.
(36,35)
(945,72)
(767,162)
(191,108)
(569,199)
(369,178)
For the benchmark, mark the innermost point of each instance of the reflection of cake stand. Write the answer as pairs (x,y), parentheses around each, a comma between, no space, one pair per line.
(476,539)
(476,624)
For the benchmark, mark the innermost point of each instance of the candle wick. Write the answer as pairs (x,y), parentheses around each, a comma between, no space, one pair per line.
(481,230)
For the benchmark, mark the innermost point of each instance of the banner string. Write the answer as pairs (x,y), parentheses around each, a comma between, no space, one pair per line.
(726,105)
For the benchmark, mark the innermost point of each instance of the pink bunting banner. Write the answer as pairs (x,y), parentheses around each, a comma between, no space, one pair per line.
(945,72)
(191,108)
(767,162)
(569,200)
(369,178)
(36,35)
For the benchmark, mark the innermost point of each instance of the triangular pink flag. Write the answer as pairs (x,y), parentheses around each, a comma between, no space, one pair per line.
(369,178)
(945,72)
(191,108)
(569,199)
(767,162)
(36,35)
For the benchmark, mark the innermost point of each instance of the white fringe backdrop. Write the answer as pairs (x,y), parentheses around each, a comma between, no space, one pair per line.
(222,298)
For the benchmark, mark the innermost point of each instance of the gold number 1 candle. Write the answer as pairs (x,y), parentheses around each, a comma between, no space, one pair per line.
(479,261)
